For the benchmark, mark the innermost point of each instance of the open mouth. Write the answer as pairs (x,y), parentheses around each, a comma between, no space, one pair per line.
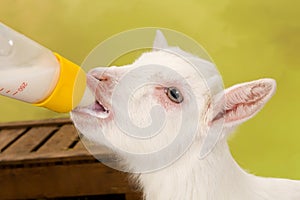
(97,109)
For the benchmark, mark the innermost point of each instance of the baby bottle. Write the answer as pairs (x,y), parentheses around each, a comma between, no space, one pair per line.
(32,73)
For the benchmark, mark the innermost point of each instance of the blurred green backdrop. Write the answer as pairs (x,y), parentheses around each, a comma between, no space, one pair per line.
(247,40)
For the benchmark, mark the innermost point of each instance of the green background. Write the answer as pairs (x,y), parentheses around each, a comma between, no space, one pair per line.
(246,39)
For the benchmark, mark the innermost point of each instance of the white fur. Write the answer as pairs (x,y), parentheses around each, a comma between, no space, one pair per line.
(217,176)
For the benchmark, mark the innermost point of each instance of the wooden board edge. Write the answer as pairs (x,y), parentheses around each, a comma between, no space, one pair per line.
(44,122)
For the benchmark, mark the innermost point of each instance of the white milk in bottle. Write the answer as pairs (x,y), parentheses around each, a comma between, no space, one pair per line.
(32,73)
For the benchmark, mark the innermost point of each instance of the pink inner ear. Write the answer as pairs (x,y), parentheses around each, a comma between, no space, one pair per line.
(245,100)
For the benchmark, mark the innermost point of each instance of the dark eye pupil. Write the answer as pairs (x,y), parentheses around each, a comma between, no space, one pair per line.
(174,95)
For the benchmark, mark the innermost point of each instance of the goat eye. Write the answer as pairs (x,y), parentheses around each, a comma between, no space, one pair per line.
(174,94)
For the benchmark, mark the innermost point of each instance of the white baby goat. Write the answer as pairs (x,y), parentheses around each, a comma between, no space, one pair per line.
(215,177)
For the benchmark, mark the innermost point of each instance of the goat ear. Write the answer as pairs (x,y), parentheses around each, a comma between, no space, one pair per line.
(160,41)
(242,101)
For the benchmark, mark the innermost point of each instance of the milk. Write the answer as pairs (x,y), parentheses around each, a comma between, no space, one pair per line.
(32,82)
(28,71)
(32,73)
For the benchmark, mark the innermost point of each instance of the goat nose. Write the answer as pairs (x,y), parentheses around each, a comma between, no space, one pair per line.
(101,78)
(99,74)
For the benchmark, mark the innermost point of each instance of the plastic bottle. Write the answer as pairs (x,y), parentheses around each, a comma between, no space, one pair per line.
(32,73)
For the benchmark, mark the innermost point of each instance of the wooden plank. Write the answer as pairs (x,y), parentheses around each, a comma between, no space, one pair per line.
(86,145)
(45,122)
(134,196)
(62,181)
(49,174)
(7,136)
(79,146)
(30,140)
(36,159)
(61,140)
